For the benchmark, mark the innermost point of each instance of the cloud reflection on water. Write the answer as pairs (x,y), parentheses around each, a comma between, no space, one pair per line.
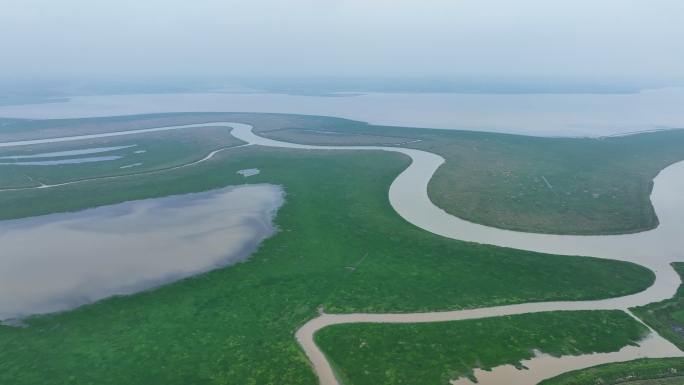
(62,261)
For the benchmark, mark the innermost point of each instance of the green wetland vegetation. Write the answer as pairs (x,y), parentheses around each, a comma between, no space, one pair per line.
(434,353)
(236,324)
(646,371)
(149,152)
(667,317)
(600,186)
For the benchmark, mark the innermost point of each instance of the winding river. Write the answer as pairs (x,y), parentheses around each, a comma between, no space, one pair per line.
(654,249)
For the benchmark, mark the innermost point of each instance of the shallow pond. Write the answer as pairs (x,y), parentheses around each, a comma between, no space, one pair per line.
(249,172)
(61,261)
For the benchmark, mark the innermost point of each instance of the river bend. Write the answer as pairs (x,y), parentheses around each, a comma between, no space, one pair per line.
(654,249)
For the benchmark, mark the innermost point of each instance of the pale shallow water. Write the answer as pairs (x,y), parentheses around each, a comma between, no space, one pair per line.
(131,165)
(545,115)
(61,261)
(105,135)
(249,172)
(64,161)
(67,153)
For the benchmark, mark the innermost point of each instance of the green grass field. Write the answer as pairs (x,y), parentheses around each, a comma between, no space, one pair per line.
(236,324)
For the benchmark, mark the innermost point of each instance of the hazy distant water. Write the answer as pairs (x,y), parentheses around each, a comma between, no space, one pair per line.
(531,114)
(61,261)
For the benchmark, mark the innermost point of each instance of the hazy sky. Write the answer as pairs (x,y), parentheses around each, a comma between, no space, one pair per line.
(608,38)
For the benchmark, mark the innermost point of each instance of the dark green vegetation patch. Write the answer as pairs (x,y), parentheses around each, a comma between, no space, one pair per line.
(434,353)
(646,371)
(237,324)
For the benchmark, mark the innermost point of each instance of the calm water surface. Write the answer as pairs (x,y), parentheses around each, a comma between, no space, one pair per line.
(545,115)
(61,261)
(67,153)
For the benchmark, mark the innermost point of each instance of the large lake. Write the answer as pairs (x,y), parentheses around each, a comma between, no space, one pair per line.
(532,114)
(61,261)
